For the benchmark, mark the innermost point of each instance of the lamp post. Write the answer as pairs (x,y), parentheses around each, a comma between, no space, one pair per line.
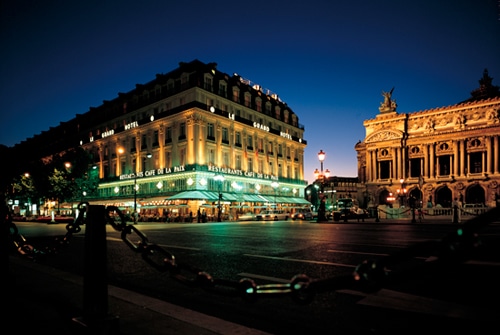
(148,155)
(402,193)
(219,178)
(322,176)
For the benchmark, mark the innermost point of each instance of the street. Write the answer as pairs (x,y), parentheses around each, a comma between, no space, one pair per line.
(448,296)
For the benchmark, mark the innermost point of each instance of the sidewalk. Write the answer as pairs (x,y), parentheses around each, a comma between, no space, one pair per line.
(44,300)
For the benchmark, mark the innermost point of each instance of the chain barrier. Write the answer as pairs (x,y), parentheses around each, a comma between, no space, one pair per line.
(24,248)
(368,276)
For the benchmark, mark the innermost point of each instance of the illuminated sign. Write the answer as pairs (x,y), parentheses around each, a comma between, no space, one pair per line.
(131,125)
(261,126)
(285,135)
(153,172)
(108,133)
(235,172)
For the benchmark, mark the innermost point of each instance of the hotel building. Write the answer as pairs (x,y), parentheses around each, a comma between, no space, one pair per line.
(193,139)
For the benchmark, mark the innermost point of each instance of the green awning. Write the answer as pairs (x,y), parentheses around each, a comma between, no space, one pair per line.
(195,195)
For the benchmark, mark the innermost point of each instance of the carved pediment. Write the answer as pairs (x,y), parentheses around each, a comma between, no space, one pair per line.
(384,135)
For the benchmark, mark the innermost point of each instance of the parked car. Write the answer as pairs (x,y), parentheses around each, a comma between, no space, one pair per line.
(303,214)
(272,215)
(248,216)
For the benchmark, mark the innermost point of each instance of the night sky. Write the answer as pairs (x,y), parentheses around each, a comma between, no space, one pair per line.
(328,60)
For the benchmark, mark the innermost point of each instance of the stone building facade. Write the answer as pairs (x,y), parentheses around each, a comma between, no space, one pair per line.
(432,157)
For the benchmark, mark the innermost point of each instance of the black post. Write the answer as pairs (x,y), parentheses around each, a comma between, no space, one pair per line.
(95,283)
(135,197)
(455,214)
(413,207)
(219,217)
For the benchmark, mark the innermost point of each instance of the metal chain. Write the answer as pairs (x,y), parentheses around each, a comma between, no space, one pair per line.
(368,276)
(22,246)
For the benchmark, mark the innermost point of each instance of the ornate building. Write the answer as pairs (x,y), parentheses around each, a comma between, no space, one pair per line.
(433,156)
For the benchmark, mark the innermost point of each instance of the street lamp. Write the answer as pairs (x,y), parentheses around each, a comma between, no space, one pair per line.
(219,178)
(402,192)
(322,176)
(275,185)
(136,187)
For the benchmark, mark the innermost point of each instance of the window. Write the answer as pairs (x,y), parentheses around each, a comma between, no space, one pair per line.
(132,145)
(155,138)
(248,101)
(415,167)
(258,105)
(236,95)
(208,83)
(225,159)
(168,135)
(385,169)
(250,165)
(210,132)
(238,162)
(238,139)
(277,113)
(444,165)
(225,135)
(250,142)
(223,90)
(144,142)
(268,108)
(260,145)
(211,156)
(476,165)
(182,131)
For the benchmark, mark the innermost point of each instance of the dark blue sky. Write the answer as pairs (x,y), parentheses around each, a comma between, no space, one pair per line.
(328,60)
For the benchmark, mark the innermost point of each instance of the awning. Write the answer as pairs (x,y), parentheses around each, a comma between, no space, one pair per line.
(291,200)
(229,197)
(251,198)
(264,199)
(195,195)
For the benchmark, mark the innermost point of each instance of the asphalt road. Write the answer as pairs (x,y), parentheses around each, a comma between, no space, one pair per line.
(419,294)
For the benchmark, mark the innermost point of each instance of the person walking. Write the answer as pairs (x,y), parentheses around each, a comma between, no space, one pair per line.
(455,211)
(360,214)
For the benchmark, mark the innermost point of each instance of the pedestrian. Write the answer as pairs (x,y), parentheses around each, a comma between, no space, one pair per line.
(198,215)
(360,214)
(456,211)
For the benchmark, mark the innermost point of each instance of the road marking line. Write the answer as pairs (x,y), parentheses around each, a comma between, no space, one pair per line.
(161,245)
(356,252)
(300,260)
